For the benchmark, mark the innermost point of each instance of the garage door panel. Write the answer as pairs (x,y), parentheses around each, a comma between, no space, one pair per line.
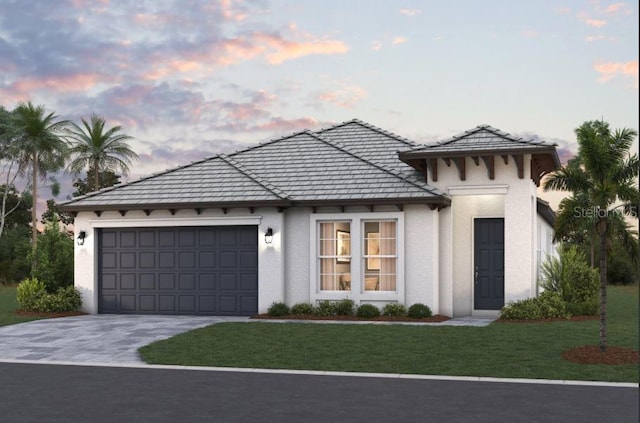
(128,281)
(128,239)
(128,260)
(207,281)
(167,281)
(187,281)
(167,259)
(147,281)
(109,260)
(194,270)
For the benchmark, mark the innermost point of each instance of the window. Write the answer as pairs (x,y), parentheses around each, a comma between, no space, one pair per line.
(335,256)
(379,259)
(371,264)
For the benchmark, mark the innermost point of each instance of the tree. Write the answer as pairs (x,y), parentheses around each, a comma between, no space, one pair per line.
(605,174)
(98,149)
(8,170)
(52,259)
(40,149)
(106,179)
(53,214)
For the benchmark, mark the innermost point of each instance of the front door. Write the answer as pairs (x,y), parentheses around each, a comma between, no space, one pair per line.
(489,264)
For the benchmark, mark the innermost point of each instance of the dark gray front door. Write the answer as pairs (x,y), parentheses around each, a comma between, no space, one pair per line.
(489,264)
(187,270)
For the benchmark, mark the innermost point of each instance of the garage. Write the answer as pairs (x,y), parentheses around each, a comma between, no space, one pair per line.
(209,270)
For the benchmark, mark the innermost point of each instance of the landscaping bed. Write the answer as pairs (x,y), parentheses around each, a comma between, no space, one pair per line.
(433,319)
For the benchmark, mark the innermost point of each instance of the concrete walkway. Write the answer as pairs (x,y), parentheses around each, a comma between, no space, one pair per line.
(115,339)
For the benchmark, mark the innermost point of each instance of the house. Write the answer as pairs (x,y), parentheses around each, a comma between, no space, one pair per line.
(350,211)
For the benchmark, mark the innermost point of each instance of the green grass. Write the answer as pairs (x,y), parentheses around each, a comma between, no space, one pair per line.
(9,305)
(512,350)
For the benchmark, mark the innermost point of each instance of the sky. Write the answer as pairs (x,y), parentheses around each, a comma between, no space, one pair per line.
(189,79)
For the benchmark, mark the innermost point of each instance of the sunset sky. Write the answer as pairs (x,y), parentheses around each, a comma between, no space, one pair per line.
(189,79)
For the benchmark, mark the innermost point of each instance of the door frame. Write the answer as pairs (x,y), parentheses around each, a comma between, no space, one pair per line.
(480,311)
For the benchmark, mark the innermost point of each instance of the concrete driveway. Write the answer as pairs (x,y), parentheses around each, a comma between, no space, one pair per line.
(94,338)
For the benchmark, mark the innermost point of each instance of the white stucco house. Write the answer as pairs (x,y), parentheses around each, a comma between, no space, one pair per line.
(349,211)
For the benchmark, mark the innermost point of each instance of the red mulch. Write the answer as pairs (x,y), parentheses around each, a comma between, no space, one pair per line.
(432,319)
(591,354)
(49,315)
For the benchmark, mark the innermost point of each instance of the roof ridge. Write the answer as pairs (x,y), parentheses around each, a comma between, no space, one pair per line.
(272,188)
(341,147)
(373,128)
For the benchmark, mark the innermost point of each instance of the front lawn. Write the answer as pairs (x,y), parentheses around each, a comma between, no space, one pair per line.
(512,350)
(8,307)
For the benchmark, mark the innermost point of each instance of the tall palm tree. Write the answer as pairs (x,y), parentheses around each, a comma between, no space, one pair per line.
(98,149)
(40,148)
(605,174)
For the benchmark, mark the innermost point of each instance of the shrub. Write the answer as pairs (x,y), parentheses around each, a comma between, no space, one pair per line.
(326,308)
(590,308)
(302,309)
(278,309)
(570,276)
(344,307)
(367,311)
(65,299)
(53,258)
(32,296)
(547,305)
(29,292)
(418,311)
(394,309)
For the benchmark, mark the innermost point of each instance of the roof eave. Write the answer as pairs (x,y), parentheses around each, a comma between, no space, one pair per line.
(173,206)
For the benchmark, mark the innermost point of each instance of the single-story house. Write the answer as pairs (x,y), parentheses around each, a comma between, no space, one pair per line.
(350,211)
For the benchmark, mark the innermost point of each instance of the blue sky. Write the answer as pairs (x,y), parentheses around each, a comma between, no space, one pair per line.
(189,79)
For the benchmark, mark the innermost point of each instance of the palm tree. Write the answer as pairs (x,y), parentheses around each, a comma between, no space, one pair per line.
(98,149)
(605,176)
(40,148)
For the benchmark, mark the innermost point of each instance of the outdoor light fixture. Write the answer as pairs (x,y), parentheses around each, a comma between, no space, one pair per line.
(268,236)
(81,236)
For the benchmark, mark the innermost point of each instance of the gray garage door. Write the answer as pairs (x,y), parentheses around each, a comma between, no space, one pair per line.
(189,270)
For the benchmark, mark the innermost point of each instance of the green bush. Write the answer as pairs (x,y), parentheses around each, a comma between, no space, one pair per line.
(570,276)
(344,307)
(590,308)
(620,270)
(367,311)
(394,309)
(547,305)
(419,311)
(302,309)
(278,309)
(29,293)
(326,308)
(53,258)
(32,296)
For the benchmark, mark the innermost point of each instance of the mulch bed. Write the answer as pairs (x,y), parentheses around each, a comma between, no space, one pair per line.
(591,354)
(433,319)
(49,315)
(556,319)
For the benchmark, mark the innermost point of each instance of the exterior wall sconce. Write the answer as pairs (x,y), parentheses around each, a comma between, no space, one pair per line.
(268,236)
(81,236)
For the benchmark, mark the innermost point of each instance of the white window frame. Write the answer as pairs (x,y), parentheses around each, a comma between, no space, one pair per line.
(357,292)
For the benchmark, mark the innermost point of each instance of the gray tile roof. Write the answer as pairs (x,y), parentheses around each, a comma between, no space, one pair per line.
(480,139)
(346,163)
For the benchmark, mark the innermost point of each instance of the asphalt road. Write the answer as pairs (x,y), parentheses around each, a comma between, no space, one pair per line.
(55,393)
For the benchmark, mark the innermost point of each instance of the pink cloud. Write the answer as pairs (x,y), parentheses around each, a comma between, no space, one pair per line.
(410,12)
(563,10)
(611,70)
(595,22)
(529,33)
(399,40)
(376,45)
(615,7)
(78,82)
(281,50)
(346,97)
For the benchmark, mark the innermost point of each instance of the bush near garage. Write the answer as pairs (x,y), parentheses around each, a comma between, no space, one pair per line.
(278,310)
(302,309)
(394,309)
(547,305)
(419,311)
(32,296)
(367,311)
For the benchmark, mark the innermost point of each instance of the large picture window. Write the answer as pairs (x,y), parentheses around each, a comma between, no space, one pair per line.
(379,255)
(335,256)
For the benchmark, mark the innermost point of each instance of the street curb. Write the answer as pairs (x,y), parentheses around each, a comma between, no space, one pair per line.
(332,373)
